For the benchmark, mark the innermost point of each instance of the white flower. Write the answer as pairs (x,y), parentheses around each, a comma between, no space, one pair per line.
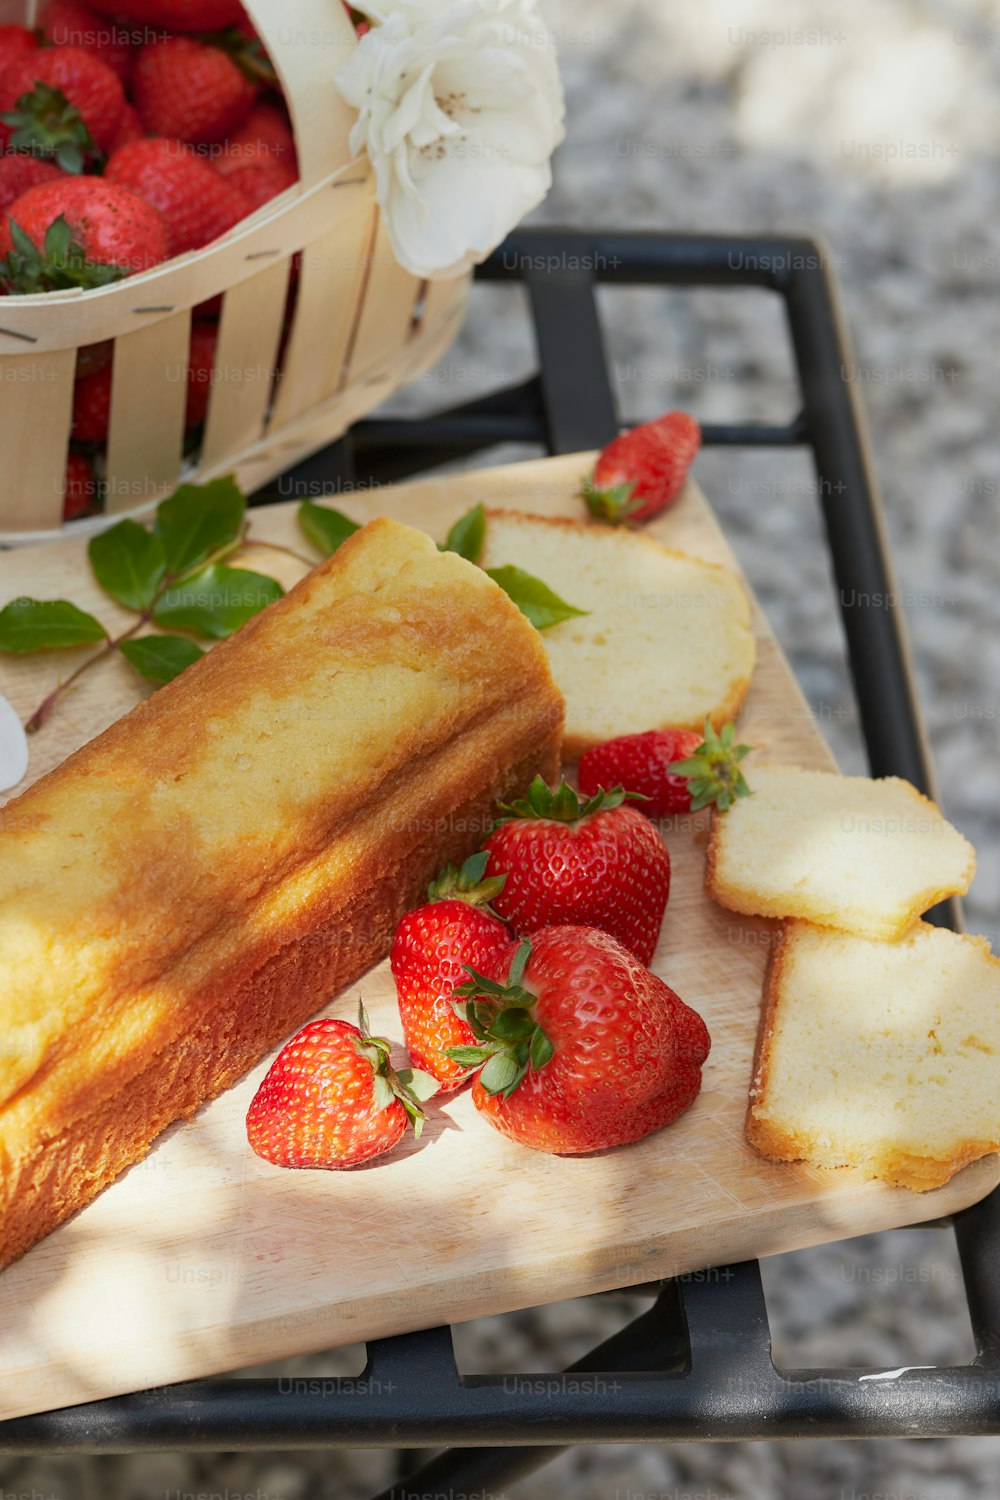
(13,748)
(460,108)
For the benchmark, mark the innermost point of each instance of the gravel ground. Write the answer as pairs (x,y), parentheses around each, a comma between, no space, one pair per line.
(867,125)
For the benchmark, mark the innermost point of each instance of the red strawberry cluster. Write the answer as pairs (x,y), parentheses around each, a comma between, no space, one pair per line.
(131,131)
(527,971)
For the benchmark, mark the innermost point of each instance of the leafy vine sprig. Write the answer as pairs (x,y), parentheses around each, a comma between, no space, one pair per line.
(175,576)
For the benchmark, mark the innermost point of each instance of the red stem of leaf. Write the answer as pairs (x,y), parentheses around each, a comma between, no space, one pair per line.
(45,708)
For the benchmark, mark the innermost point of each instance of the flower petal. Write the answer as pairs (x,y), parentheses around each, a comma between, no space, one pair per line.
(460,108)
(13,748)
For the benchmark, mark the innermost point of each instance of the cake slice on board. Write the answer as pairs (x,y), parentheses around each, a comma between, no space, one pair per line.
(847,852)
(882,1056)
(665,641)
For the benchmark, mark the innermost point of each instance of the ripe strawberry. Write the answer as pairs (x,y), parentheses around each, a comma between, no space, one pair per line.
(201,372)
(264,134)
(92,390)
(91,357)
(15,41)
(81,489)
(643,765)
(78,232)
(19,173)
(190,90)
(130,128)
(92,406)
(332,1098)
(197,204)
(261,181)
(61,102)
(432,945)
(595,863)
(69,23)
(641,472)
(582,1048)
(177,15)
(674,770)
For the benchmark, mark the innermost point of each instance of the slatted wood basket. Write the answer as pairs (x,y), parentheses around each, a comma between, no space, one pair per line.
(361,325)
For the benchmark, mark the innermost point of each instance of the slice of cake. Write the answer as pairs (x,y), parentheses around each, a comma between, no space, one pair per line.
(863,856)
(883,1056)
(666,640)
(196,882)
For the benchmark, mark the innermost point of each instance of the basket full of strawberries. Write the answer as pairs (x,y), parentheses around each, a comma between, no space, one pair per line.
(215,251)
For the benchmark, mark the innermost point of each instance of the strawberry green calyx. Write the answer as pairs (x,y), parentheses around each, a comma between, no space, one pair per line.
(470,883)
(246,52)
(563,805)
(60,264)
(500,1017)
(44,123)
(409,1085)
(713,770)
(615,505)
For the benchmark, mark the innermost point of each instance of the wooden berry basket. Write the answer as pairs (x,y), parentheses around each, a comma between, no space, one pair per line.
(361,325)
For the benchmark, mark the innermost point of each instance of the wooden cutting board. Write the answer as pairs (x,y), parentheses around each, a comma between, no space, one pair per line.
(203,1258)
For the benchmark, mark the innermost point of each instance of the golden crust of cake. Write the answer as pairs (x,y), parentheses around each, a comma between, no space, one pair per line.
(859,855)
(666,640)
(194,883)
(879,1056)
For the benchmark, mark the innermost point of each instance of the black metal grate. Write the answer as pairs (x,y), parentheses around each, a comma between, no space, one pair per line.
(697,1364)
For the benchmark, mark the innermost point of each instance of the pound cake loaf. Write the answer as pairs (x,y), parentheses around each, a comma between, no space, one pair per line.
(881,1056)
(665,642)
(864,856)
(192,885)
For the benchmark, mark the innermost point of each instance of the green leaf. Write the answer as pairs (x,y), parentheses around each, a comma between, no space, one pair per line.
(542,1050)
(326,528)
(161,658)
(468,535)
(501,1075)
(470,883)
(216,601)
(513,1025)
(28,625)
(418,1083)
(469,1057)
(520,963)
(478,984)
(197,520)
(533,597)
(384,1095)
(129,563)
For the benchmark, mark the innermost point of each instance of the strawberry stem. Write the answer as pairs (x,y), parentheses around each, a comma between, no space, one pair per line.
(44,123)
(613,505)
(509,1040)
(47,705)
(564,805)
(470,883)
(58,266)
(713,769)
(409,1085)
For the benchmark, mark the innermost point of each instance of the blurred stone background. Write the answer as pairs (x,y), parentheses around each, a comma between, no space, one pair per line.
(874,125)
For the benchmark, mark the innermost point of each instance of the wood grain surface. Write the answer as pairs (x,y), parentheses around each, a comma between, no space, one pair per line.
(203,1258)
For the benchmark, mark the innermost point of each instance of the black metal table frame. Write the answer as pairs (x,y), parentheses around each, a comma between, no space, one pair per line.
(697,1364)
